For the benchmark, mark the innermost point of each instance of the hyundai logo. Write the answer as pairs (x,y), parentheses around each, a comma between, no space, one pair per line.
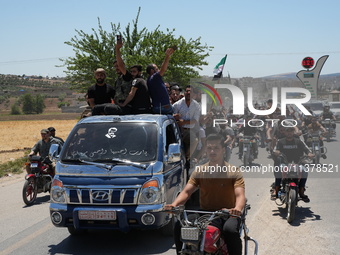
(100,195)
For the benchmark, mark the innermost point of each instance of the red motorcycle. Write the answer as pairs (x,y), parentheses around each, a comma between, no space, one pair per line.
(38,180)
(199,237)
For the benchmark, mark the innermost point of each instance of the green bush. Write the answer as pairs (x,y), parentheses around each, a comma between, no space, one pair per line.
(15,109)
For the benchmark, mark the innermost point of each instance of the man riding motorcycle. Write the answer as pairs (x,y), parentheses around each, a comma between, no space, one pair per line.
(218,190)
(293,148)
(327,114)
(248,131)
(42,148)
(316,127)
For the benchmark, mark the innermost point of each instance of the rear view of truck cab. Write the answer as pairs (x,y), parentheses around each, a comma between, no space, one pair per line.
(117,172)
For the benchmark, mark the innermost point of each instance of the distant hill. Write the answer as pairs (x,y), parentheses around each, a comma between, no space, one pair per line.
(293,76)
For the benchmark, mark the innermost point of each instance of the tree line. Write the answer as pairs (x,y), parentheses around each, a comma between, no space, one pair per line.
(141,46)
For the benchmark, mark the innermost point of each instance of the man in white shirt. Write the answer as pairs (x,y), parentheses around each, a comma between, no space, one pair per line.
(187,113)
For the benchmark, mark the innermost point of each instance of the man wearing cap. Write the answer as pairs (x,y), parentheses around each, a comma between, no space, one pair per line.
(100,93)
(52,133)
(42,147)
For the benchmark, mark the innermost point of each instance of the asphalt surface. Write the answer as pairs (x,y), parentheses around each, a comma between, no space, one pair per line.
(315,230)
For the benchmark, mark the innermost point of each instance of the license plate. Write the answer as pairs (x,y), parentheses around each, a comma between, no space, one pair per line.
(34,165)
(97,215)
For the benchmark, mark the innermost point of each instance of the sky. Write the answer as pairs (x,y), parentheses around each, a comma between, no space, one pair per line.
(261,38)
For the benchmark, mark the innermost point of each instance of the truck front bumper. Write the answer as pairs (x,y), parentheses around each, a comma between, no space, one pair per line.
(127,217)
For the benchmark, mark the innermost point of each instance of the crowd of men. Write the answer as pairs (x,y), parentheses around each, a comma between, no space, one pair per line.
(204,143)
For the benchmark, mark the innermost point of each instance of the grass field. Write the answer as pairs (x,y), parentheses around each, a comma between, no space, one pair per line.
(17,135)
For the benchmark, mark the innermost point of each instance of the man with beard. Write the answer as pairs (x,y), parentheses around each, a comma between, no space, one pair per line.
(100,93)
(187,113)
(138,99)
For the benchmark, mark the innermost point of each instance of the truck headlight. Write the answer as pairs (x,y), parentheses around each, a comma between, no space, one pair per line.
(150,193)
(58,194)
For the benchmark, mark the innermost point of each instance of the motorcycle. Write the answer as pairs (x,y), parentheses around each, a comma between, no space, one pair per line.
(249,154)
(328,124)
(38,180)
(313,142)
(262,133)
(288,193)
(199,237)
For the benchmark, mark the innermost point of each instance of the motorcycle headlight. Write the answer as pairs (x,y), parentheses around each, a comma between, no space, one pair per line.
(58,194)
(190,234)
(150,193)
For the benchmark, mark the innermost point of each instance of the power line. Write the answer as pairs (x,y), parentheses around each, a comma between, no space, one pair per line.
(28,61)
(276,53)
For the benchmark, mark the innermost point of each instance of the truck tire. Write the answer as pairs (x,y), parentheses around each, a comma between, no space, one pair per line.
(76,232)
(168,229)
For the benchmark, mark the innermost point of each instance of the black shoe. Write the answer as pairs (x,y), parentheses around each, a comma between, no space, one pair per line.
(304,198)
(324,156)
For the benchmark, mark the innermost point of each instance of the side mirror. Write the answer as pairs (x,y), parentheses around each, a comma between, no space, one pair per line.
(53,153)
(174,153)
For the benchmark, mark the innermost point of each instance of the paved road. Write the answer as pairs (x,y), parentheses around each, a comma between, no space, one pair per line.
(316,229)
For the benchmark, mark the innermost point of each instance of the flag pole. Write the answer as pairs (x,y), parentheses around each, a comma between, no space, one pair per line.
(218,79)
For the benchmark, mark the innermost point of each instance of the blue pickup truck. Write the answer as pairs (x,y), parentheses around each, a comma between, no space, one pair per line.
(118,172)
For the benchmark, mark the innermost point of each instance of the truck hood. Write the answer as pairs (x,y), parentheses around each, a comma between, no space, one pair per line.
(107,170)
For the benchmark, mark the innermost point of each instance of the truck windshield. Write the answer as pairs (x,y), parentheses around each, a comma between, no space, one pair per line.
(102,142)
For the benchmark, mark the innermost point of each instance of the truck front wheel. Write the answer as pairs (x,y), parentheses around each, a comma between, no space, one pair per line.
(76,232)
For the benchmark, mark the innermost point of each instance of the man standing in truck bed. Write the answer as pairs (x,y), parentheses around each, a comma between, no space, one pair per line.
(158,92)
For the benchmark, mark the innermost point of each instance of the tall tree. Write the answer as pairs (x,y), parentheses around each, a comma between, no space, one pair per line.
(140,47)
(27,104)
(39,104)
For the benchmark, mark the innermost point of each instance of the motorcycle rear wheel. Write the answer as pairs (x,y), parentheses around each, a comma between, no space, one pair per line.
(291,204)
(29,191)
(246,158)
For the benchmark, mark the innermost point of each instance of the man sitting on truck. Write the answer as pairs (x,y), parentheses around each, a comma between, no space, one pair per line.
(138,98)
(100,93)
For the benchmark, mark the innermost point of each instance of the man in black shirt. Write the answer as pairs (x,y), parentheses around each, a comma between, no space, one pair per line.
(327,114)
(138,99)
(100,93)
(250,131)
(293,148)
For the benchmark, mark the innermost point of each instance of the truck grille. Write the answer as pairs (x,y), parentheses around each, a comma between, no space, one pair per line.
(119,196)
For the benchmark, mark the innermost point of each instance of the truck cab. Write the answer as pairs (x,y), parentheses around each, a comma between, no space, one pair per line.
(118,172)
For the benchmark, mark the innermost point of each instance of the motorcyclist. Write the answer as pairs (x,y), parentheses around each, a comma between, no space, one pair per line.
(251,131)
(42,148)
(228,134)
(218,190)
(52,134)
(316,127)
(327,114)
(293,148)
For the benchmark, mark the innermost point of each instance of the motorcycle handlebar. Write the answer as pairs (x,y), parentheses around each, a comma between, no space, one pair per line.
(181,209)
